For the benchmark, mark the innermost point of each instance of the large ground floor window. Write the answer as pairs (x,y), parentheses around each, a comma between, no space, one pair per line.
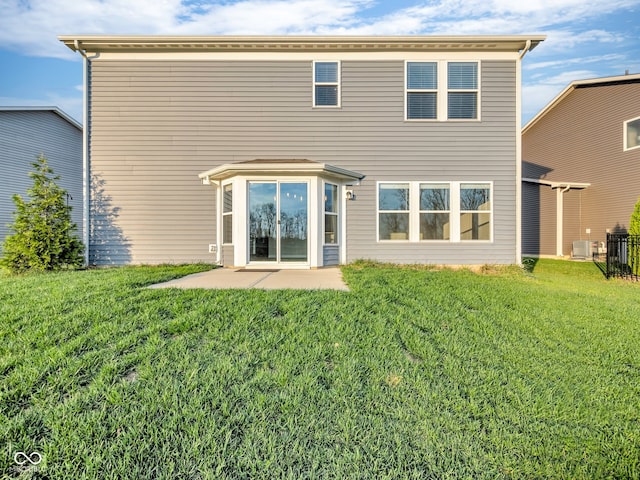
(435,211)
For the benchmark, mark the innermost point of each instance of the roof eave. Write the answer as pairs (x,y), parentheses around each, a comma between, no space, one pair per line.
(101,43)
(229,170)
(553,185)
(570,88)
(53,109)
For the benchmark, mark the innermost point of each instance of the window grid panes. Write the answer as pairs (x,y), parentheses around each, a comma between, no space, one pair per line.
(227,214)
(330,214)
(422,90)
(435,211)
(393,211)
(326,84)
(475,211)
(462,96)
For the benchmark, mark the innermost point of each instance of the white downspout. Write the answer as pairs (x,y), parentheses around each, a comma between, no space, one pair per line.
(527,47)
(560,217)
(86,175)
(518,212)
(219,220)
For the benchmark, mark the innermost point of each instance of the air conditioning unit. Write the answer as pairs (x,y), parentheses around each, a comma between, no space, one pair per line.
(581,249)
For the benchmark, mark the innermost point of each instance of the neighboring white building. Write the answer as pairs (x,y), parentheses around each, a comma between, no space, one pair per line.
(25,134)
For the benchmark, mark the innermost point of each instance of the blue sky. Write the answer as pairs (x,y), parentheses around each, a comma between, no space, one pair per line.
(585,38)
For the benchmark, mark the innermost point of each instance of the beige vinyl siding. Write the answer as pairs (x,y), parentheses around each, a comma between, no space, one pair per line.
(24,135)
(156,125)
(227,255)
(581,140)
(331,255)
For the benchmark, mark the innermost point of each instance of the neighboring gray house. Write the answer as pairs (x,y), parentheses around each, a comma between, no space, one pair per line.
(27,132)
(303,152)
(581,167)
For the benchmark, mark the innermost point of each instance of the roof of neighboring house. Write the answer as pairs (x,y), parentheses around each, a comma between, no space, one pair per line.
(163,43)
(53,109)
(593,82)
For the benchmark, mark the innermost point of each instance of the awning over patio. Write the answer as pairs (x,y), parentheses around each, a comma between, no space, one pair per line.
(282,167)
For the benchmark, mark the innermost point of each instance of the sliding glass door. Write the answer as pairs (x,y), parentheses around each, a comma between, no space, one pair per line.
(278,222)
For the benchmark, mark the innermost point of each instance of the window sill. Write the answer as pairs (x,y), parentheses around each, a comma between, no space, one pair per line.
(448,120)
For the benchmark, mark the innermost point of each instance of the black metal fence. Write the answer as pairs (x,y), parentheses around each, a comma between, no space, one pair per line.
(623,256)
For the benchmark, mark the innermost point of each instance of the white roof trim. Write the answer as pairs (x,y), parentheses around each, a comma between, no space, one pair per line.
(232,169)
(552,184)
(53,109)
(122,43)
(571,87)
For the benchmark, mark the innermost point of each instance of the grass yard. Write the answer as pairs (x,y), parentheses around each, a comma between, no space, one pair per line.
(415,373)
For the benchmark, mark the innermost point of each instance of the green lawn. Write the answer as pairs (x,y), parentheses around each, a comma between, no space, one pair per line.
(414,373)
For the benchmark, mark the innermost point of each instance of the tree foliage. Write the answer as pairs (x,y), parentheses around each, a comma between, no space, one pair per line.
(634,222)
(44,234)
(634,237)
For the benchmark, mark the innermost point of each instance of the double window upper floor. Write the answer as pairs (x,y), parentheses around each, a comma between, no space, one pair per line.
(433,90)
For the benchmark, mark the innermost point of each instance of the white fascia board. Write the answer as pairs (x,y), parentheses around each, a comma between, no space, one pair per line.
(229,170)
(552,184)
(102,43)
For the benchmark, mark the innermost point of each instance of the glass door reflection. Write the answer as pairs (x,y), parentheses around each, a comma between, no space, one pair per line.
(278,222)
(262,222)
(293,222)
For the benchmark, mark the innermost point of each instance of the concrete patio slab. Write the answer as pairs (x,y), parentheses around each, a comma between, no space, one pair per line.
(220,278)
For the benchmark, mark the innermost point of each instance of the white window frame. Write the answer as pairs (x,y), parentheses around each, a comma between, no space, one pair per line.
(336,214)
(378,212)
(454,211)
(337,83)
(420,211)
(489,212)
(408,90)
(442,96)
(626,133)
(227,214)
(466,90)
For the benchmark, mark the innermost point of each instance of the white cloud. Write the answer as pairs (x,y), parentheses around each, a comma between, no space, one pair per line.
(31,26)
(574,32)
(564,62)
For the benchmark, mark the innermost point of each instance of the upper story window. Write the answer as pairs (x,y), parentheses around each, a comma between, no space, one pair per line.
(326,84)
(422,90)
(632,134)
(462,95)
(442,90)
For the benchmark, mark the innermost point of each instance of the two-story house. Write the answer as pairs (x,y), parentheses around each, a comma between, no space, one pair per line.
(581,167)
(302,152)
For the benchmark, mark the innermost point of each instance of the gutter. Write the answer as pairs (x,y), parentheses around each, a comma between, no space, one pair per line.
(527,47)
(518,249)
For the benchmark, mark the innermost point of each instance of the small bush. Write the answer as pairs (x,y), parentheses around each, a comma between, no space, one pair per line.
(44,235)
(634,247)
